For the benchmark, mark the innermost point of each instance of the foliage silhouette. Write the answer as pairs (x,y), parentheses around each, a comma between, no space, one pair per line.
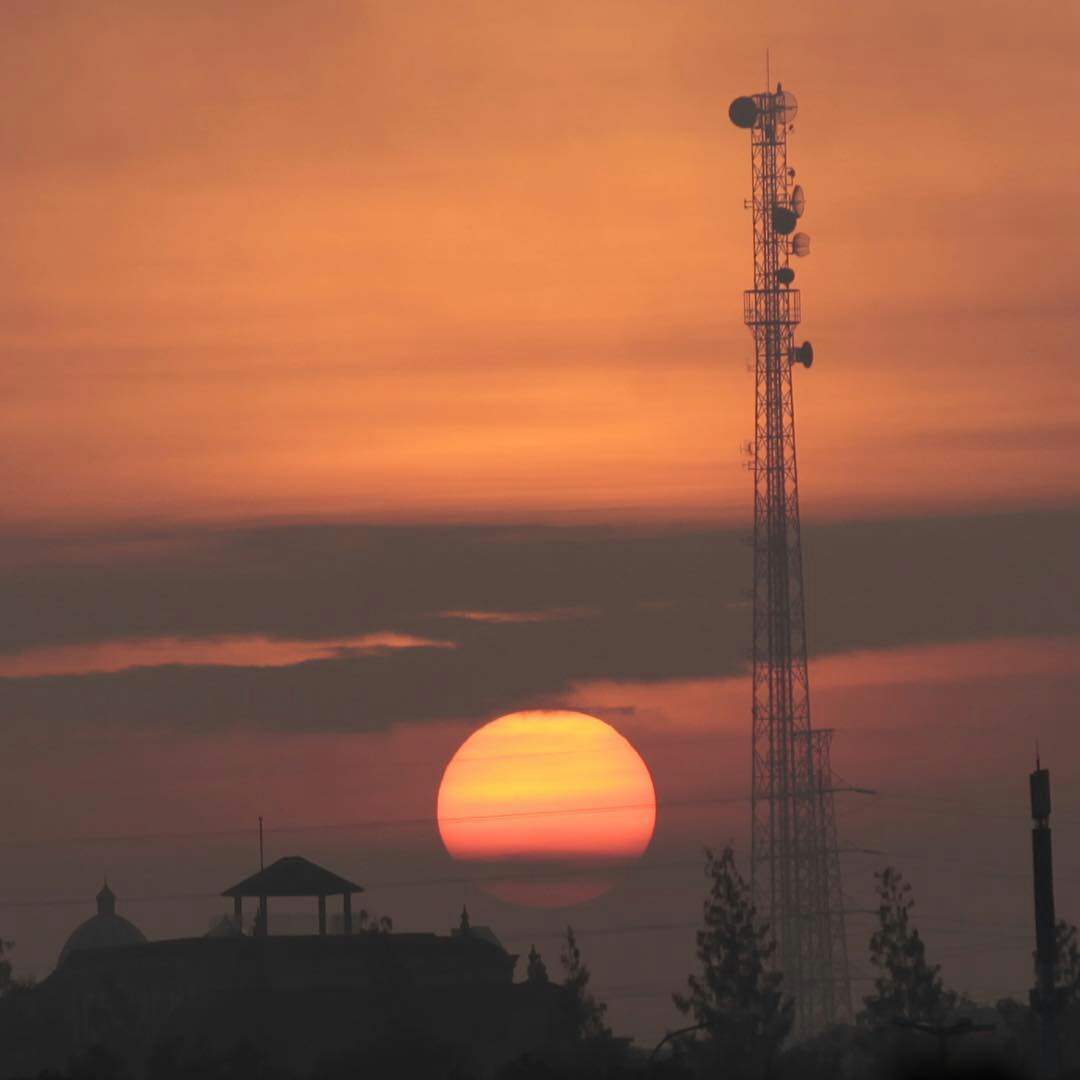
(586,1013)
(907,987)
(368,923)
(98,1063)
(1067,961)
(5,965)
(736,1000)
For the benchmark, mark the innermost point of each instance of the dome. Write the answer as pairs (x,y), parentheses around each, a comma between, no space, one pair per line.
(104,930)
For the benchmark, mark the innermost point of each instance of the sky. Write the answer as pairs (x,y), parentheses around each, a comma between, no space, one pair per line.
(371,370)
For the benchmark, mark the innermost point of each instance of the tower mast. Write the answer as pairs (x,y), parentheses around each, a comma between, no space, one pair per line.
(794,868)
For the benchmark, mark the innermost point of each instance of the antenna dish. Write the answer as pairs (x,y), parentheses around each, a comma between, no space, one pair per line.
(798,201)
(743,112)
(800,244)
(802,354)
(785,275)
(783,220)
(785,105)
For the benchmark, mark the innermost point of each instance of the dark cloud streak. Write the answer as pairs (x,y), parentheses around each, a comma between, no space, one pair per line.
(668,603)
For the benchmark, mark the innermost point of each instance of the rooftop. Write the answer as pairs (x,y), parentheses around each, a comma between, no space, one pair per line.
(293,875)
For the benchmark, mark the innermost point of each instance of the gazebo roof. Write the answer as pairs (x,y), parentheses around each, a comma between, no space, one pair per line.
(293,876)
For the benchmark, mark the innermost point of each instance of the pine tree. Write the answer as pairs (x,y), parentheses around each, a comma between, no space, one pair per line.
(1067,981)
(587,1014)
(1067,961)
(737,1000)
(907,987)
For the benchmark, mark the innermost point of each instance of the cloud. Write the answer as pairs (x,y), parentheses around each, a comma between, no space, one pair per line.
(520,616)
(1030,439)
(236,651)
(580,604)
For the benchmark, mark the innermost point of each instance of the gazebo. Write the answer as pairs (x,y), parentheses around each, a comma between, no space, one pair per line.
(293,876)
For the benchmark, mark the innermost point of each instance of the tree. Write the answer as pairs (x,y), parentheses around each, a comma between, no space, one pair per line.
(736,1000)
(373,924)
(5,965)
(1067,961)
(907,987)
(537,969)
(1067,982)
(587,1014)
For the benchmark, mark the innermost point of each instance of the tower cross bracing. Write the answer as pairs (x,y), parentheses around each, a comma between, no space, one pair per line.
(794,856)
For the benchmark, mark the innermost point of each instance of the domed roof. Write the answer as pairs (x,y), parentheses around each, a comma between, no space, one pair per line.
(104,930)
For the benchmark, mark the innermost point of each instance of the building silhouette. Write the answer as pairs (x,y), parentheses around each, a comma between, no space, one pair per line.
(104,930)
(297,999)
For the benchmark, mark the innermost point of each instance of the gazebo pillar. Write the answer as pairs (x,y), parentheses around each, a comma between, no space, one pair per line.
(296,876)
(238,911)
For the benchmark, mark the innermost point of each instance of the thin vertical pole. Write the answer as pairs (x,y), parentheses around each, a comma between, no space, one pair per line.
(1045,996)
(261,864)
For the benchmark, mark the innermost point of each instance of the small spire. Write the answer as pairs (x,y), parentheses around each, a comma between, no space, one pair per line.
(106,900)
(464,925)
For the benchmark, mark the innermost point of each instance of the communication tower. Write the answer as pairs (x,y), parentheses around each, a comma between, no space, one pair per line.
(794,864)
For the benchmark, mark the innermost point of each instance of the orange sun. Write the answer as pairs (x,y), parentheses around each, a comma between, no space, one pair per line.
(550,788)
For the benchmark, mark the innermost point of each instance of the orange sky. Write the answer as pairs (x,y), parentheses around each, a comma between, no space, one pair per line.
(422,260)
(439,261)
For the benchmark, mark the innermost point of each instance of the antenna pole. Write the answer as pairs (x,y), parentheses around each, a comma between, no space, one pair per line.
(261,866)
(1044,997)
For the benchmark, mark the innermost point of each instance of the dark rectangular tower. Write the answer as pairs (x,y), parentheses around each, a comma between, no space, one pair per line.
(1044,997)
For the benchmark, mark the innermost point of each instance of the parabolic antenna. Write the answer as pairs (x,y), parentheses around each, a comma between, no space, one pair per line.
(798,201)
(783,220)
(785,275)
(800,244)
(743,112)
(786,106)
(803,354)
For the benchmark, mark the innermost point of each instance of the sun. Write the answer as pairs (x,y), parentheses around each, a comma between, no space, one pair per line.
(547,787)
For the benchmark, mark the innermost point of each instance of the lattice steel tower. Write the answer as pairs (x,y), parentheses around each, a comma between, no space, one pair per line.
(794,863)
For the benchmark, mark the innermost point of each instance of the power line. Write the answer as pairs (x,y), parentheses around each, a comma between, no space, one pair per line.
(916,802)
(369,823)
(383,823)
(558,874)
